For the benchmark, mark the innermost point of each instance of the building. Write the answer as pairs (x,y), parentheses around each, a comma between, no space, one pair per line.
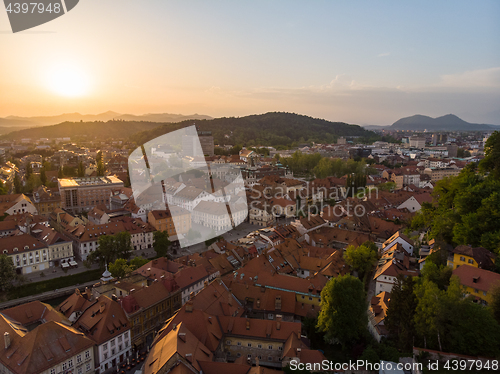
(82,194)
(395,262)
(417,142)
(162,220)
(189,146)
(438,174)
(452,150)
(376,315)
(478,282)
(478,257)
(16,204)
(60,247)
(39,340)
(28,254)
(106,324)
(406,243)
(149,307)
(46,201)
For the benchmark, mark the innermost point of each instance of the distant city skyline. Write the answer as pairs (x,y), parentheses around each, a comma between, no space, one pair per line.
(367,63)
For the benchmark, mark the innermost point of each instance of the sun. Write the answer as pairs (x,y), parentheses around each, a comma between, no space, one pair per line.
(68,80)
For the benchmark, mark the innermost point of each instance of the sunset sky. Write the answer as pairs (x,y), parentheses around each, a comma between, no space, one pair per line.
(364,62)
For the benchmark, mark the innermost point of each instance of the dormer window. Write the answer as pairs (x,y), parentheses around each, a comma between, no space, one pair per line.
(5,251)
(15,249)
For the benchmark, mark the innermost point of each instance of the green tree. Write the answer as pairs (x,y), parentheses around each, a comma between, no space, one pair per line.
(100,169)
(491,161)
(98,157)
(81,169)
(18,188)
(43,177)
(111,248)
(161,243)
(362,258)
(3,188)
(29,170)
(137,262)
(403,304)
(7,272)
(495,302)
(343,314)
(60,173)
(47,166)
(119,268)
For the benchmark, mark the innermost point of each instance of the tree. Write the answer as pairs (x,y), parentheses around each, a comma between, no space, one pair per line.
(29,170)
(81,169)
(18,188)
(3,188)
(111,248)
(100,169)
(119,268)
(495,302)
(98,157)
(343,314)
(161,243)
(438,274)
(43,177)
(362,258)
(60,173)
(402,306)
(491,161)
(7,272)
(137,262)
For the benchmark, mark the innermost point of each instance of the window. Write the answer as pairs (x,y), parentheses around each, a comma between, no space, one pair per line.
(269,358)
(113,352)
(52,371)
(105,347)
(269,347)
(113,342)
(65,366)
(471,261)
(70,363)
(120,339)
(484,293)
(87,354)
(87,367)
(106,356)
(228,342)
(259,345)
(249,356)
(476,290)
(280,348)
(238,355)
(80,371)
(79,358)
(239,343)
(249,344)
(462,258)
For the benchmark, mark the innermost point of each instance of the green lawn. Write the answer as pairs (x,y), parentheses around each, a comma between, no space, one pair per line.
(53,284)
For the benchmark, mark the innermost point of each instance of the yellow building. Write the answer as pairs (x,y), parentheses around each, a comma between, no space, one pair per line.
(162,220)
(478,282)
(28,254)
(478,257)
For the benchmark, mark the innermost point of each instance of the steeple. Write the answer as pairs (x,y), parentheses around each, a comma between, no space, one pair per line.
(106,276)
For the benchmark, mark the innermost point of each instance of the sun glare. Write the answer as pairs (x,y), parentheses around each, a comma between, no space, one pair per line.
(68,81)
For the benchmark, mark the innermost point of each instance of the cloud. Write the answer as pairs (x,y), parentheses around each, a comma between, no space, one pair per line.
(384,54)
(472,78)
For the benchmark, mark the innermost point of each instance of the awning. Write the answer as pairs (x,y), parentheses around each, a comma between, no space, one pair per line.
(73,263)
(65,265)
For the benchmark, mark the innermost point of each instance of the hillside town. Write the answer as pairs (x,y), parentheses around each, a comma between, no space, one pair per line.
(185,285)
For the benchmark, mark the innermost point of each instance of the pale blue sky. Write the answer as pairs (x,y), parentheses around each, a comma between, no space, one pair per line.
(367,62)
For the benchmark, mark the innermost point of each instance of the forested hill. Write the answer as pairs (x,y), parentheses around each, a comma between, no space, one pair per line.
(96,129)
(276,128)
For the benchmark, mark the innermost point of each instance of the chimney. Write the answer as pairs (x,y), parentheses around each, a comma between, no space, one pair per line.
(77,291)
(278,325)
(189,357)
(205,284)
(6,338)
(182,336)
(87,292)
(102,307)
(248,324)
(174,327)
(114,298)
(189,306)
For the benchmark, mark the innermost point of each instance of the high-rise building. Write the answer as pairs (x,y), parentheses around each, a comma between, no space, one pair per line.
(190,148)
(82,194)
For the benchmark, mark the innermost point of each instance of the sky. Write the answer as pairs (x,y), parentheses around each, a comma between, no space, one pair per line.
(362,62)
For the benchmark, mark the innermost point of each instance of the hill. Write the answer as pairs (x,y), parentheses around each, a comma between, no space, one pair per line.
(16,121)
(275,128)
(99,129)
(448,122)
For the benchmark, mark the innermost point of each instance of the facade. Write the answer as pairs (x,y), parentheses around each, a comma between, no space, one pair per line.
(28,254)
(16,204)
(478,257)
(39,340)
(60,248)
(148,308)
(46,201)
(438,174)
(417,142)
(478,282)
(82,194)
(206,141)
(162,220)
(398,237)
